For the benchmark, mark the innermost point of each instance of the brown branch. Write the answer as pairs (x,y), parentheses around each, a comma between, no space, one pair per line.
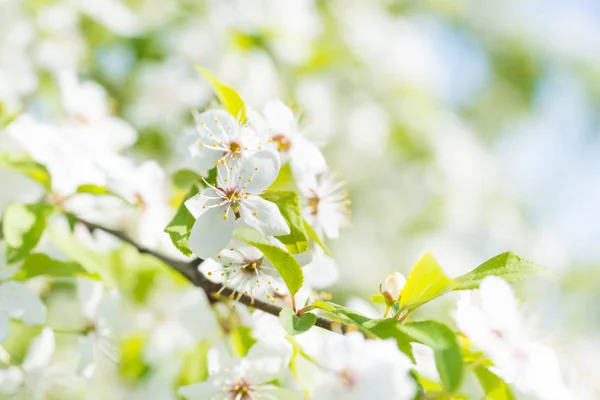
(190,271)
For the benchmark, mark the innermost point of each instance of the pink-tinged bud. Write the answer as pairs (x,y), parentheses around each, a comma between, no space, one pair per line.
(392,287)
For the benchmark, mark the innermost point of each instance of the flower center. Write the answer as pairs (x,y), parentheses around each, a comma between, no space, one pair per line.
(241,390)
(347,378)
(313,203)
(235,147)
(251,267)
(283,143)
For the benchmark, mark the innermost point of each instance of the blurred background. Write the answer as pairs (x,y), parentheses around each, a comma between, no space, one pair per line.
(463,128)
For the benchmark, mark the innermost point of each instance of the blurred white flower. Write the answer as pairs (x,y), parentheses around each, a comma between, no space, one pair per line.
(279,126)
(497,328)
(326,204)
(355,368)
(235,197)
(248,378)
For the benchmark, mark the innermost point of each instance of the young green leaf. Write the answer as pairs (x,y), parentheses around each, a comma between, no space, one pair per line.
(227,96)
(508,266)
(294,324)
(181,225)
(241,340)
(132,366)
(447,354)
(22,227)
(195,365)
(313,235)
(290,206)
(425,282)
(97,190)
(37,264)
(284,262)
(27,166)
(493,387)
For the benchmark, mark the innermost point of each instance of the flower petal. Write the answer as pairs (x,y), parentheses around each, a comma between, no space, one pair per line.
(280,118)
(264,216)
(40,351)
(20,302)
(306,160)
(195,204)
(215,125)
(211,232)
(260,170)
(200,391)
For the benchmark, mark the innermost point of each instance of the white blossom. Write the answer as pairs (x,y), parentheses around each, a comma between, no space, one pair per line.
(326,204)
(279,127)
(234,201)
(246,379)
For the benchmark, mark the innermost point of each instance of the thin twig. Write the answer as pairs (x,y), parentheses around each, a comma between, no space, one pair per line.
(214,291)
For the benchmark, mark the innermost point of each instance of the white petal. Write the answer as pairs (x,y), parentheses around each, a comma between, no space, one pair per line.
(40,351)
(195,204)
(211,232)
(86,365)
(262,168)
(20,302)
(499,303)
(200,391)
(263,216)
(280,118)
(305,159)
(4,323)
(209,130)
(321,272)
(90,294)
(266,360)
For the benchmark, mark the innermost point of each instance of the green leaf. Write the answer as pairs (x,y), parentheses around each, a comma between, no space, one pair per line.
(493,387)
(390,328)
(98,190)
(27,166)
(242,340)
(447,354)
(195,365)
(426,281)
(227,96)
(290,206)
(181,225)
(185,178)
(22,227)
(284,262)
(508,266)
(313,235)
(285,179)
(37,264)
(295,324)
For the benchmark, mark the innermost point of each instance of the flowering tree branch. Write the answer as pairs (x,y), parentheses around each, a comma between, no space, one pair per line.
(190,271)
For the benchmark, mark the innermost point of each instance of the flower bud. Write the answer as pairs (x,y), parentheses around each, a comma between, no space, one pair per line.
(392,287)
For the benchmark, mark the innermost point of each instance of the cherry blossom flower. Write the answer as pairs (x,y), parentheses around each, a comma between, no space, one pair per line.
(244,269)
(355,368)
(326,204)
(234,201)
(219,137)
(246,379)
(279,127)
(498,329)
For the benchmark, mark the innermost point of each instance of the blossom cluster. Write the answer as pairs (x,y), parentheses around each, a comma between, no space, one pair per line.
(123,170)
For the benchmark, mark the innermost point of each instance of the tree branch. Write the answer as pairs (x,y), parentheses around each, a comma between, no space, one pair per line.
(190,271)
